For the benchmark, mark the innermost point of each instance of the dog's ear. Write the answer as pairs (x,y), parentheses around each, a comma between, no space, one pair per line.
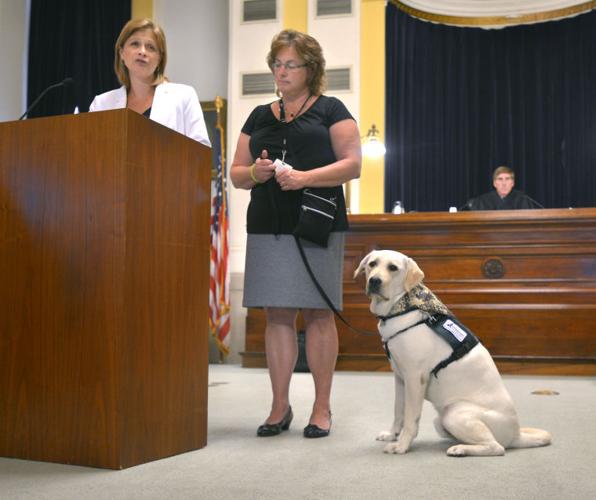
(362,266)
(414,275)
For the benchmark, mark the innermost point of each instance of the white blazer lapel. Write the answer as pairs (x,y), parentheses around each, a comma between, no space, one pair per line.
(119,98)
(161,109)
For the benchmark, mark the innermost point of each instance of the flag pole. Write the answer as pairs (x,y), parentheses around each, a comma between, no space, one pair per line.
(218,109)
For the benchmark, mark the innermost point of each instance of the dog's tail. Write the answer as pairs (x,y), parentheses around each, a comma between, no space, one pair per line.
(531,438)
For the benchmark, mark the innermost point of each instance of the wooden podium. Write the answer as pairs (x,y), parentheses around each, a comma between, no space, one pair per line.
(104,272)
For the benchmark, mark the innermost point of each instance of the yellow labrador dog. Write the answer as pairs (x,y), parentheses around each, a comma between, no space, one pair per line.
(457,375)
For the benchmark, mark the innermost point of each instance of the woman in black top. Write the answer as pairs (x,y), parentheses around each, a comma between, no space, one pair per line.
(318,137)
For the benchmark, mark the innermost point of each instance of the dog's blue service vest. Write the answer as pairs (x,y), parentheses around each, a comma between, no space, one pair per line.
(460,338)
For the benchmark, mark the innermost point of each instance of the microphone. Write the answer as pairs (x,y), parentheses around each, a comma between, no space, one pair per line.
(64,83)
(466,206)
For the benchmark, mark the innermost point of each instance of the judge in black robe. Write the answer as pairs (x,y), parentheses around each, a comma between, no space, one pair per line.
(503,197)
(515,200)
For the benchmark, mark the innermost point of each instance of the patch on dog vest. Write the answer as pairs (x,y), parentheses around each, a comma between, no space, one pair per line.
(461,340)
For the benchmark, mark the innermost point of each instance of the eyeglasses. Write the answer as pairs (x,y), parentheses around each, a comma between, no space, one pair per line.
(290,66)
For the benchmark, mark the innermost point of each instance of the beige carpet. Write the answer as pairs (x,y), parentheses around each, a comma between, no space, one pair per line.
(349,464)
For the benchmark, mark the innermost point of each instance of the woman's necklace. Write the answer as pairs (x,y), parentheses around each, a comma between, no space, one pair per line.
(282,111)
(282,119)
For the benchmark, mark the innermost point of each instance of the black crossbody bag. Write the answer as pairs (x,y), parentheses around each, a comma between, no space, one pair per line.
(317,215)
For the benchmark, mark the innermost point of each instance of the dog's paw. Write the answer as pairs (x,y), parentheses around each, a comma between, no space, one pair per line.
(491,449)
(457,450)
(387,436)
(396,448)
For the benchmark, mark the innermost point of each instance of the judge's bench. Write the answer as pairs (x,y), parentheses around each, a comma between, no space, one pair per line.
(524,281)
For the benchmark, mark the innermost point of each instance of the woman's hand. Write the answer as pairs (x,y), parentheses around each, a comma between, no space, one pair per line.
(263,168)
(244,173)
(345,140)
(290,179)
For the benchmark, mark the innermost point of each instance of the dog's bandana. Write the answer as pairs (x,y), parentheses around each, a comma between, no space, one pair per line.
(419,297)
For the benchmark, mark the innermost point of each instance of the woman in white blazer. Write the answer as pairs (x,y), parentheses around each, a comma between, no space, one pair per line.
(140,61)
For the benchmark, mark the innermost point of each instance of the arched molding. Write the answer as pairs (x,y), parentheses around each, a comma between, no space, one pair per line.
(493,14)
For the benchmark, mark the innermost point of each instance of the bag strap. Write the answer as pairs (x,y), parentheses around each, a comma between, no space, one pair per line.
(324,295)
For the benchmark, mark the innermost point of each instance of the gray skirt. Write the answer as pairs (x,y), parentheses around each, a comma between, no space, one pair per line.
(275,276)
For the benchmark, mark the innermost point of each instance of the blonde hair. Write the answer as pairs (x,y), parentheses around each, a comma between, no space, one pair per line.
(503,170)
(129,29)
(308,49)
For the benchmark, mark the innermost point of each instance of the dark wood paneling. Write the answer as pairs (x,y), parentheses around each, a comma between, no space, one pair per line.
(104,241)
(535,315)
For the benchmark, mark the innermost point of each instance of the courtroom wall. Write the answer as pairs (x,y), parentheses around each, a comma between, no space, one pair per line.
(197,37)
(13,38)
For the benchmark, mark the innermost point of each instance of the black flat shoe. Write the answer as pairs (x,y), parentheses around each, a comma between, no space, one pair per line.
(314,431)
(267,430)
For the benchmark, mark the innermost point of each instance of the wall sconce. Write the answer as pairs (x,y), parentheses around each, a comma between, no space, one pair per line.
(372,146)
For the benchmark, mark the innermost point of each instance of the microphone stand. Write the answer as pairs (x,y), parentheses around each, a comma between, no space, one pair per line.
(66,81)
(536,204)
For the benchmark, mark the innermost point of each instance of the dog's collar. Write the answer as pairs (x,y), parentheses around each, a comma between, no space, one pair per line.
(385,318)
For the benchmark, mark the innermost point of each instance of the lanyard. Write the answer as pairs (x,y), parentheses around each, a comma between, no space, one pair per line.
(282,119)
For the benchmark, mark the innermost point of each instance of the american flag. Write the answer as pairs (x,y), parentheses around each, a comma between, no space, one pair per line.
(219,276)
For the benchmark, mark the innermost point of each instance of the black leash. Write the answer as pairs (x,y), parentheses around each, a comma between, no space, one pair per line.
(282,116)
(324,295)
